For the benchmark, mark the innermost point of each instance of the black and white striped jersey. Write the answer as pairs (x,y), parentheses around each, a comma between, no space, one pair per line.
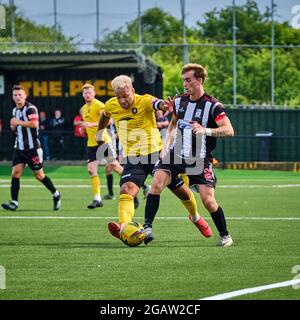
(206,111)
(26,138)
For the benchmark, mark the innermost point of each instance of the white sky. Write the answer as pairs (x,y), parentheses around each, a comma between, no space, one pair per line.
(78,17)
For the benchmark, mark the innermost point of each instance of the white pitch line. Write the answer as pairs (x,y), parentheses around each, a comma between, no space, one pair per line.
(87,180)
(138,217)
(249,186)
(237,293)
(59,186)
(55,217)
(243,186)
(263,218)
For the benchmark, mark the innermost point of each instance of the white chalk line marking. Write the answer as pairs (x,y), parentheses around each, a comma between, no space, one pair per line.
(80,186)
(237,293)
(140,217)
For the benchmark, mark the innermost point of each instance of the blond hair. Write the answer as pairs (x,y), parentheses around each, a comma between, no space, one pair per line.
(88,86)
(121,82)
(199,71)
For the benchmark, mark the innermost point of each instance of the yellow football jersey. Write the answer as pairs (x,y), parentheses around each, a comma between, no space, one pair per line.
(91,113)
(136,126)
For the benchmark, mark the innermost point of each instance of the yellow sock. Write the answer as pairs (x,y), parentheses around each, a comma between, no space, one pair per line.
(191,206)
(126,208)
(95,181)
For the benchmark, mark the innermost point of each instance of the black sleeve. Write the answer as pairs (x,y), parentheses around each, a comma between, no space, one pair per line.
(31,110)
(218,111)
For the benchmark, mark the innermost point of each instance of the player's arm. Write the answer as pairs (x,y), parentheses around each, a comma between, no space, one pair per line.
(170,135)
(166,106)
(162,124)
(78,122)
(224,129)
(13,128)
(33,122)
(89,124)
(103,123)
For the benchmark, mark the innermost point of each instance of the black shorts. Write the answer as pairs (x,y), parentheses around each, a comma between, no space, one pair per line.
(207,177)
(104,154)
(137,169)
(197,174)
(91,154)
(32,157)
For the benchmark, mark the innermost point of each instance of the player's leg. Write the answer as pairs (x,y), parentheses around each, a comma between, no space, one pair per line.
(116,167)
(164,172)
(188,200)
(126,202)
(92,168)
(47,182)
(35,163)
(107,154)
(113,165)
(125,207)
(207,194)
(146,190)
(132,178)
(109,182)
(161,179)
(16,174)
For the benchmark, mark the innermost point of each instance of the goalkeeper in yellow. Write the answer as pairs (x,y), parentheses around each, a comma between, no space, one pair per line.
(134,117)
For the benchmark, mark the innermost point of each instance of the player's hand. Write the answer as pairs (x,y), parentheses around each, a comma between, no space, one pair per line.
(82,131)
(163,153)
(168,104)
(197,128)
(85,125)
(14,122)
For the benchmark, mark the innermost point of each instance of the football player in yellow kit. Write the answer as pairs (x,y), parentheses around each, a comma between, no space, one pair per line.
(134,117)
(91,112)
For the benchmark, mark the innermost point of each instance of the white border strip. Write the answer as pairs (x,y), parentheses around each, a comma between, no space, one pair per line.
(242,292)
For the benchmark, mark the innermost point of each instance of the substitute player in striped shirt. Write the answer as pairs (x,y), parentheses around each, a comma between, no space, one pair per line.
(27,149)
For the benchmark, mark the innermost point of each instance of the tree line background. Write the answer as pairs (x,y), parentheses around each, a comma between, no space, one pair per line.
(209,43)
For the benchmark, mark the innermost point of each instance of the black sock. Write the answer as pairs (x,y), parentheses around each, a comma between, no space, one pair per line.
(14,189)
(109,180)
(48,184)
(152,205)
(220,222)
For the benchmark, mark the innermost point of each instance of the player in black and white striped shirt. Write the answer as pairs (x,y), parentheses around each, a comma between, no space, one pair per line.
(27,149)
(197,121)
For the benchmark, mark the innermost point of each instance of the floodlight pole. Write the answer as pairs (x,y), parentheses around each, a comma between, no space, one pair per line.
(55,21)
(97,21)
(12,23)
(272,55)
(185,47)
(140,39)
(234,50)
